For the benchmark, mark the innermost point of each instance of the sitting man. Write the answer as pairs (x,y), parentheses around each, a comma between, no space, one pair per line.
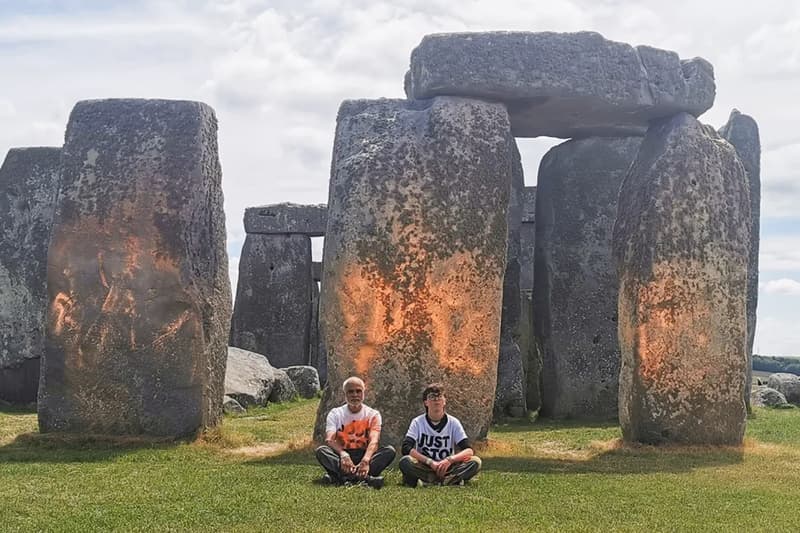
(436,448)
(352,432)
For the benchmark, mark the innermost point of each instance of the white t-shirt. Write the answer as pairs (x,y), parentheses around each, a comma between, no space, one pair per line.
(353,429)
(436,444)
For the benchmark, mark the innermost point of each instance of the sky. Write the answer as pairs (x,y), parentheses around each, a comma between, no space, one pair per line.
(276,71)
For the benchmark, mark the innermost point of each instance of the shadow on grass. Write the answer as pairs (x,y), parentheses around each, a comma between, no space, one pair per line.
(72,448)
(549,424)
(620,461)
(12,409)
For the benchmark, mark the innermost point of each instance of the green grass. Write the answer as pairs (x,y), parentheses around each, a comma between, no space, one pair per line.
(257,473)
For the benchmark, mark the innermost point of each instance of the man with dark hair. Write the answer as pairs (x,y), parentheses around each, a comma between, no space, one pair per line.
(352,433)
(436,448)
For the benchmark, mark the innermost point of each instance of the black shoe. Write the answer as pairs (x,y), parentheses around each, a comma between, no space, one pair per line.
(327,480)
(376,482)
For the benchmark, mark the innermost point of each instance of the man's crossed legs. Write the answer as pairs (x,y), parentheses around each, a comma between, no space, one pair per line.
(332,464)
(413,470)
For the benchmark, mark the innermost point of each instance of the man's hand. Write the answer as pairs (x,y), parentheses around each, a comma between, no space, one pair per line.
(347,465)
(440,467)
(362,470)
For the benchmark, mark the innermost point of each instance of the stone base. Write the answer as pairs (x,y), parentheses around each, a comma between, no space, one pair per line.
(20,384)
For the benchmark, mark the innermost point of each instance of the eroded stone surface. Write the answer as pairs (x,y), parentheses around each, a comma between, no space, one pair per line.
(249,377)
(562,84)
(318,357)
(415,255)
(787,384)
(742,132)
(137,274)
(305,379)
(510,393)
(307,220)
(531,357)
(681,242)
(575,285)
(28,184)
(272,314)
(764,396)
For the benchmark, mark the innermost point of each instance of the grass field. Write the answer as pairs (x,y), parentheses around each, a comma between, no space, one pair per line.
(257,473)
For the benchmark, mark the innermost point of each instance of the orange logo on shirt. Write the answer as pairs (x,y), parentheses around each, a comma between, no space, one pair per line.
(354,435)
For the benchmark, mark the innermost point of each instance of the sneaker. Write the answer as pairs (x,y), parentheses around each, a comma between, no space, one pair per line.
(327,480)
(376,482)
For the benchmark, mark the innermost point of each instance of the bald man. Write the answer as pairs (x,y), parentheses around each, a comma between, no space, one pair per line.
(352,434)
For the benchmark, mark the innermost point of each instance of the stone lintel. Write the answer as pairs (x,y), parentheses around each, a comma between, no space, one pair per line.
(287,218)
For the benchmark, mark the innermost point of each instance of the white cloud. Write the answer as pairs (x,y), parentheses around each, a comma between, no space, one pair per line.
(777,335)
(780,253)
(233,272)
(784,286)
(7,108)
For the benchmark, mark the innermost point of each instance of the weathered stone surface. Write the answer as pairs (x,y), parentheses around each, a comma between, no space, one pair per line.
(231,406)
(19,384)
(272,313)
(249,377)
(531,358)
(763,396)
(681,243)
(283,390)
(320,363)
(575,285)
(305,379)
(563,84)
(307,220)
(527,239)
(787,384)
(28,185)
(137,273)
(742,132)
(510,393)
(415,255)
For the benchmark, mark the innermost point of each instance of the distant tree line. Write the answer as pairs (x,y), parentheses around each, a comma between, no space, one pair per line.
(764,363)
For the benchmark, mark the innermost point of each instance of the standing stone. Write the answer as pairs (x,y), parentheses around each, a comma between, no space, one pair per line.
(681,242)
(575,286)
(137,273)
(272,314)
(510,392)
(28,183)
(414,256)
(527,239)
(562,84)
(318,357)
(742,132)
(531,357)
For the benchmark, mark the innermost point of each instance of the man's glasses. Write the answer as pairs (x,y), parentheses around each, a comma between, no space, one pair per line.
(434,396)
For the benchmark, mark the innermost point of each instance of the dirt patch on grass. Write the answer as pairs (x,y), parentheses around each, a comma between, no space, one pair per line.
(269,449)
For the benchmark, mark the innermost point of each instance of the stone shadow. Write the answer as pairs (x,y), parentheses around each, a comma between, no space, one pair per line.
(72,448)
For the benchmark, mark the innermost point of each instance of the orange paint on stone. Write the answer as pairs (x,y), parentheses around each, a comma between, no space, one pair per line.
(458,331)
(60,312)
(673,334)
(364,318)
(443,309)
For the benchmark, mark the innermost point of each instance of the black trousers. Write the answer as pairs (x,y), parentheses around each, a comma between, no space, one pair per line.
(332,463)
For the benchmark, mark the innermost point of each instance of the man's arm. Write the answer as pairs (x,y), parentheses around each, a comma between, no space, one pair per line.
(465,453)
(347,465)
(363,467)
